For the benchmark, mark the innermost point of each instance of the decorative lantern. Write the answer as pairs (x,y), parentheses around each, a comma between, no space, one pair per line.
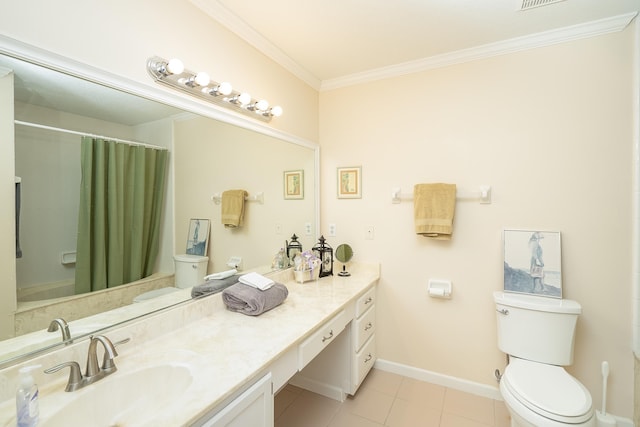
(324,252)
(293,248)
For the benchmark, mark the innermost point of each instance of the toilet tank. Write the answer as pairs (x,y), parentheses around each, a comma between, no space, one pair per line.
(190,270)
(537,328)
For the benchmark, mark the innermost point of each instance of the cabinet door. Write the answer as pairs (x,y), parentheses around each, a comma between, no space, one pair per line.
(252,408)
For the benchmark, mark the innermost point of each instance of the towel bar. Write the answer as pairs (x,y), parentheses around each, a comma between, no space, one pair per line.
(259,197)
(484,195)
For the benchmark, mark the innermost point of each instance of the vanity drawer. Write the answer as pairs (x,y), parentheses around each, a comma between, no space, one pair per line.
(364,328)
(365,301)
(364,361)
(313,345)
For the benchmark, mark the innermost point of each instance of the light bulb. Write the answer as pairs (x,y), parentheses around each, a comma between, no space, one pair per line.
(276,111)
(244,98)
(262,105)
(175,66)
(202,79)
(224,88)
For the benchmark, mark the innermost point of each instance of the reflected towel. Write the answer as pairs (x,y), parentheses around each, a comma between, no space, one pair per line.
(233,202)
(433,209)
(213,286)
(248,300)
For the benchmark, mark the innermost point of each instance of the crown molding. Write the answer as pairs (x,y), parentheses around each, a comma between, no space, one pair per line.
(575,32)
(236,25)
(532,41)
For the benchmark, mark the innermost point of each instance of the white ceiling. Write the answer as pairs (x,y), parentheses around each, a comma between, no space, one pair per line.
(325,42)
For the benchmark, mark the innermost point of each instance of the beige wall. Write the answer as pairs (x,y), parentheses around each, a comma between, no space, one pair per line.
(550,130)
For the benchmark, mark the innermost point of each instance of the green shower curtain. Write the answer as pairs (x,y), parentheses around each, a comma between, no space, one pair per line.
(121,198)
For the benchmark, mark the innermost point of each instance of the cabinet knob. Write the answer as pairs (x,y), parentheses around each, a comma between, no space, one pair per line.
(329,337)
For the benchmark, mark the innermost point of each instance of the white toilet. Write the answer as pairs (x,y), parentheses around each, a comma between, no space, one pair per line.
(190,271)
(538,335)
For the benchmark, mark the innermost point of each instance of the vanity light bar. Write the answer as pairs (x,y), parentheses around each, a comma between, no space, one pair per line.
(173,74)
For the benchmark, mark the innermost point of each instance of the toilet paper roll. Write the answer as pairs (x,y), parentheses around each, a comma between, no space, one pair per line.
(438,293)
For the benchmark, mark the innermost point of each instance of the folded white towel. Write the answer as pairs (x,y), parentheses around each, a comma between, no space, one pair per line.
(256,280)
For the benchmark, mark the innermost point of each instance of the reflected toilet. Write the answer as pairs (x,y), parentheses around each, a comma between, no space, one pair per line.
(190,271)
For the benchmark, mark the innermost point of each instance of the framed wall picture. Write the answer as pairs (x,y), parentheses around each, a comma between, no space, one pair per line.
(532,262)
(198,237)
(350,182)
(294,184)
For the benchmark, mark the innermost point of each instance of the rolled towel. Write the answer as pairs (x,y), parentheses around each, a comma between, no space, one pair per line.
(251,301)
(213,286)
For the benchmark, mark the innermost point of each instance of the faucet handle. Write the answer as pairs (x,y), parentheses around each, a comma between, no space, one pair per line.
(107,361)
(75,375)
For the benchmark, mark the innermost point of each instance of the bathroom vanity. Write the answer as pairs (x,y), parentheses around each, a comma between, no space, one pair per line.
(200,364)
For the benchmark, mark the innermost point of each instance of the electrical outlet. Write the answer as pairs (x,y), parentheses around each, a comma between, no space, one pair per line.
(369,232)
(307,228)
(278,228)
(332,230)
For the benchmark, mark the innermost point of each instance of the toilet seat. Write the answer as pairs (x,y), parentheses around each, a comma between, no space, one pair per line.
(548,391)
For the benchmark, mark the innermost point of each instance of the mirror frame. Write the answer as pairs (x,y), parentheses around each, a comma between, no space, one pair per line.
(59,63)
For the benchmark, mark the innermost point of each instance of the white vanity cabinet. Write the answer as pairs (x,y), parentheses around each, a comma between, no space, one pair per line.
(254,407)
(363,328)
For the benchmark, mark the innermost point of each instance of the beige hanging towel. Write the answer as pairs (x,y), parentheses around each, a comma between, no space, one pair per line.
(433,209)
(233,202)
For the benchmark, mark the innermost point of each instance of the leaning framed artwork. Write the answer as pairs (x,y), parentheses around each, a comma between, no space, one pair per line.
(198,237)
(350,182)
(532,262)
(294,184)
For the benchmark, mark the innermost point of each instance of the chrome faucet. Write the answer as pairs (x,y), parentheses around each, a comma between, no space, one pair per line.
(61,324)
(94,372)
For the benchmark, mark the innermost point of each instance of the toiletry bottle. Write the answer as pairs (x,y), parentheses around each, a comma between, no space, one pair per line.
(27,398)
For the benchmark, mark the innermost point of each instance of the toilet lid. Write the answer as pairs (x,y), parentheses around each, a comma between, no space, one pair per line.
(548,390)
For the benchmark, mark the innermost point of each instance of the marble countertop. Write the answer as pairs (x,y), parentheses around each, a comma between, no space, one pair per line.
(225,351)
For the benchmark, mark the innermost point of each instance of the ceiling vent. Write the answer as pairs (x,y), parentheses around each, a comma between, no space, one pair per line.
(530,4)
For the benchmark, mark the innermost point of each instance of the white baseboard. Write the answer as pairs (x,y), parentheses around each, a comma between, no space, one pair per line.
(439,379)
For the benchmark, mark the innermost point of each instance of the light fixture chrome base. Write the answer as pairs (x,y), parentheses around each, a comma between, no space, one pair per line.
(185,81)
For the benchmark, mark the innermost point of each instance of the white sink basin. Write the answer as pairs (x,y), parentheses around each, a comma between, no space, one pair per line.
(123,398)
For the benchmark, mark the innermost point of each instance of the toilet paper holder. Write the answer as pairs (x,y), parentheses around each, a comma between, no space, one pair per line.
(439,288)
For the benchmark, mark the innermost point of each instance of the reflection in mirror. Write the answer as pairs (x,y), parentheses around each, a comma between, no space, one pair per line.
(207,156)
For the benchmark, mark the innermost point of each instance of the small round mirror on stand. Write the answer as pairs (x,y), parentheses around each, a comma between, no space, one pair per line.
(344,253)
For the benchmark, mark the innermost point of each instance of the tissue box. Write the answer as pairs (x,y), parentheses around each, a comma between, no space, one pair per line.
(302,276)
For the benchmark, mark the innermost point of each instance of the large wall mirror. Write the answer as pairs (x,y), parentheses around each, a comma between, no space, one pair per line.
(209,152)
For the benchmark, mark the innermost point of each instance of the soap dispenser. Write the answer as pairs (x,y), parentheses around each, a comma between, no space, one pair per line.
(27,398)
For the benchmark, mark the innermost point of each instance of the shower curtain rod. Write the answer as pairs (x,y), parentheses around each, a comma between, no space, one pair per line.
(73,132)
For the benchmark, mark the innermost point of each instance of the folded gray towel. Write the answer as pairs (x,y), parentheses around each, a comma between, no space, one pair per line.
(213,286)
(248,300)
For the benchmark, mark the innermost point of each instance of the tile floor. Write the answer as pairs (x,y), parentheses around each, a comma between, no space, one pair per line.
(389,400)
